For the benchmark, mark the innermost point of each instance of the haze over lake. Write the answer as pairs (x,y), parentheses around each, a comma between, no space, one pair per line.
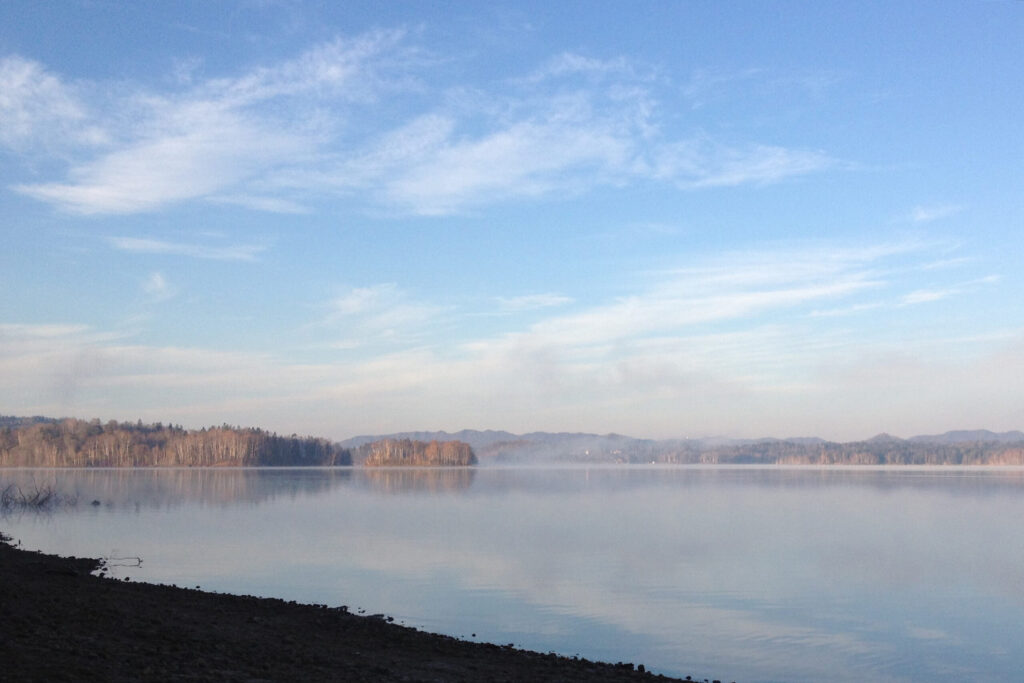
(738,573)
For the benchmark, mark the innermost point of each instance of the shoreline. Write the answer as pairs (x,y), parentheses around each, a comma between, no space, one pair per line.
(61,622)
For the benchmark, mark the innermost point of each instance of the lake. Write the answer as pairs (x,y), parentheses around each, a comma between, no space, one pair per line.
(752,574)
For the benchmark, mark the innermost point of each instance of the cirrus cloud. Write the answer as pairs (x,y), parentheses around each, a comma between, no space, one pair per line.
(278,136)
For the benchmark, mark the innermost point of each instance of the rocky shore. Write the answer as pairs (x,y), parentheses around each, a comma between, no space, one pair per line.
(59,622)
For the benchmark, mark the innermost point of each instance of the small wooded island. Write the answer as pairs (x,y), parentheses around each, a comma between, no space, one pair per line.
(78,443)
(399,452)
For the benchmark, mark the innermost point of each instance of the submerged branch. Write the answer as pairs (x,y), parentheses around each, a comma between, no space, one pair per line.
(13,497)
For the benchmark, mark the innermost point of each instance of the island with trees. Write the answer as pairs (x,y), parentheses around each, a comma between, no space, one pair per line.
(406,452)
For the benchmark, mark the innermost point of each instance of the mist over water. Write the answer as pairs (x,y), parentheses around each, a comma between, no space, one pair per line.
(737,573)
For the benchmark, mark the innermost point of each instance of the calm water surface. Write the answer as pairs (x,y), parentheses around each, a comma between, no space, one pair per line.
(745,574)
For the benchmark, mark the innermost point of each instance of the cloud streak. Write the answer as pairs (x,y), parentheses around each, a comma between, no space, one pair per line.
(532,302)
(158,288)
(206,151)
(224,133)
(279,135)
(145,245)
(928,214)
(38,109)
(378,314)
(712,344)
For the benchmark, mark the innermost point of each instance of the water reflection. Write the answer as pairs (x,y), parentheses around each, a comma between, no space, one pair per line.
(163,487)
(431,480)
(739,573)
(968,481)
(225,486)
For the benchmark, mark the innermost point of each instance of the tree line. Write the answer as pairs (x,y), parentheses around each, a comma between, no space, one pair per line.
(44,442)
(895,452)
(78,443)
(592,449)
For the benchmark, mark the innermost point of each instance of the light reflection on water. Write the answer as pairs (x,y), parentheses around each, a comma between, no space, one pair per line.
(737,573)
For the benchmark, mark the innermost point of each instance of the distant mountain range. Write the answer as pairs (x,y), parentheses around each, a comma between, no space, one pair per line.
(971,435)
(14,422)
(486,438)
(954,447)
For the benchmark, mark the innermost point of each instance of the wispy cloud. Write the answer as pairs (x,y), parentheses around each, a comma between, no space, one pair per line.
(376,314)
(54,369)
(578,124)
(204,150)
(276,136)
(30,332)
(741,334)
(144,245)
(730,330)
(929,295)
(157,288)
(845,310)
(574,64)
(927,214)
(924,296)
(220,134)
(737,286)
(257,203)
(531,302)
(699,165)
(37,108)
(528,159)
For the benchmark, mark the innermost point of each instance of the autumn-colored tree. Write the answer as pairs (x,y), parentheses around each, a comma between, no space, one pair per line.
(76,443)
(399,452)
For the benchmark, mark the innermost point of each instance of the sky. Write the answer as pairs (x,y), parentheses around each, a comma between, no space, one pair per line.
(661,219)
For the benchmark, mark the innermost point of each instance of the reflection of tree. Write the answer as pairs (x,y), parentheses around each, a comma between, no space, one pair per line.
(158,488)
(417,480)
(574,479)
(167,488)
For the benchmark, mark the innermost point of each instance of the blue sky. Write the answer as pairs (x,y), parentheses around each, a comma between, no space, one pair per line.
(662,219)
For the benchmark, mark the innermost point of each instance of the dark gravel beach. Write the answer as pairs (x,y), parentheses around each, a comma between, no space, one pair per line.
(58,622)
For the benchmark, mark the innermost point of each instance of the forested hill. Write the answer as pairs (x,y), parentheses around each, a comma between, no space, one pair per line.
(14,421)
(886,451)
(977,447)
(76,443)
